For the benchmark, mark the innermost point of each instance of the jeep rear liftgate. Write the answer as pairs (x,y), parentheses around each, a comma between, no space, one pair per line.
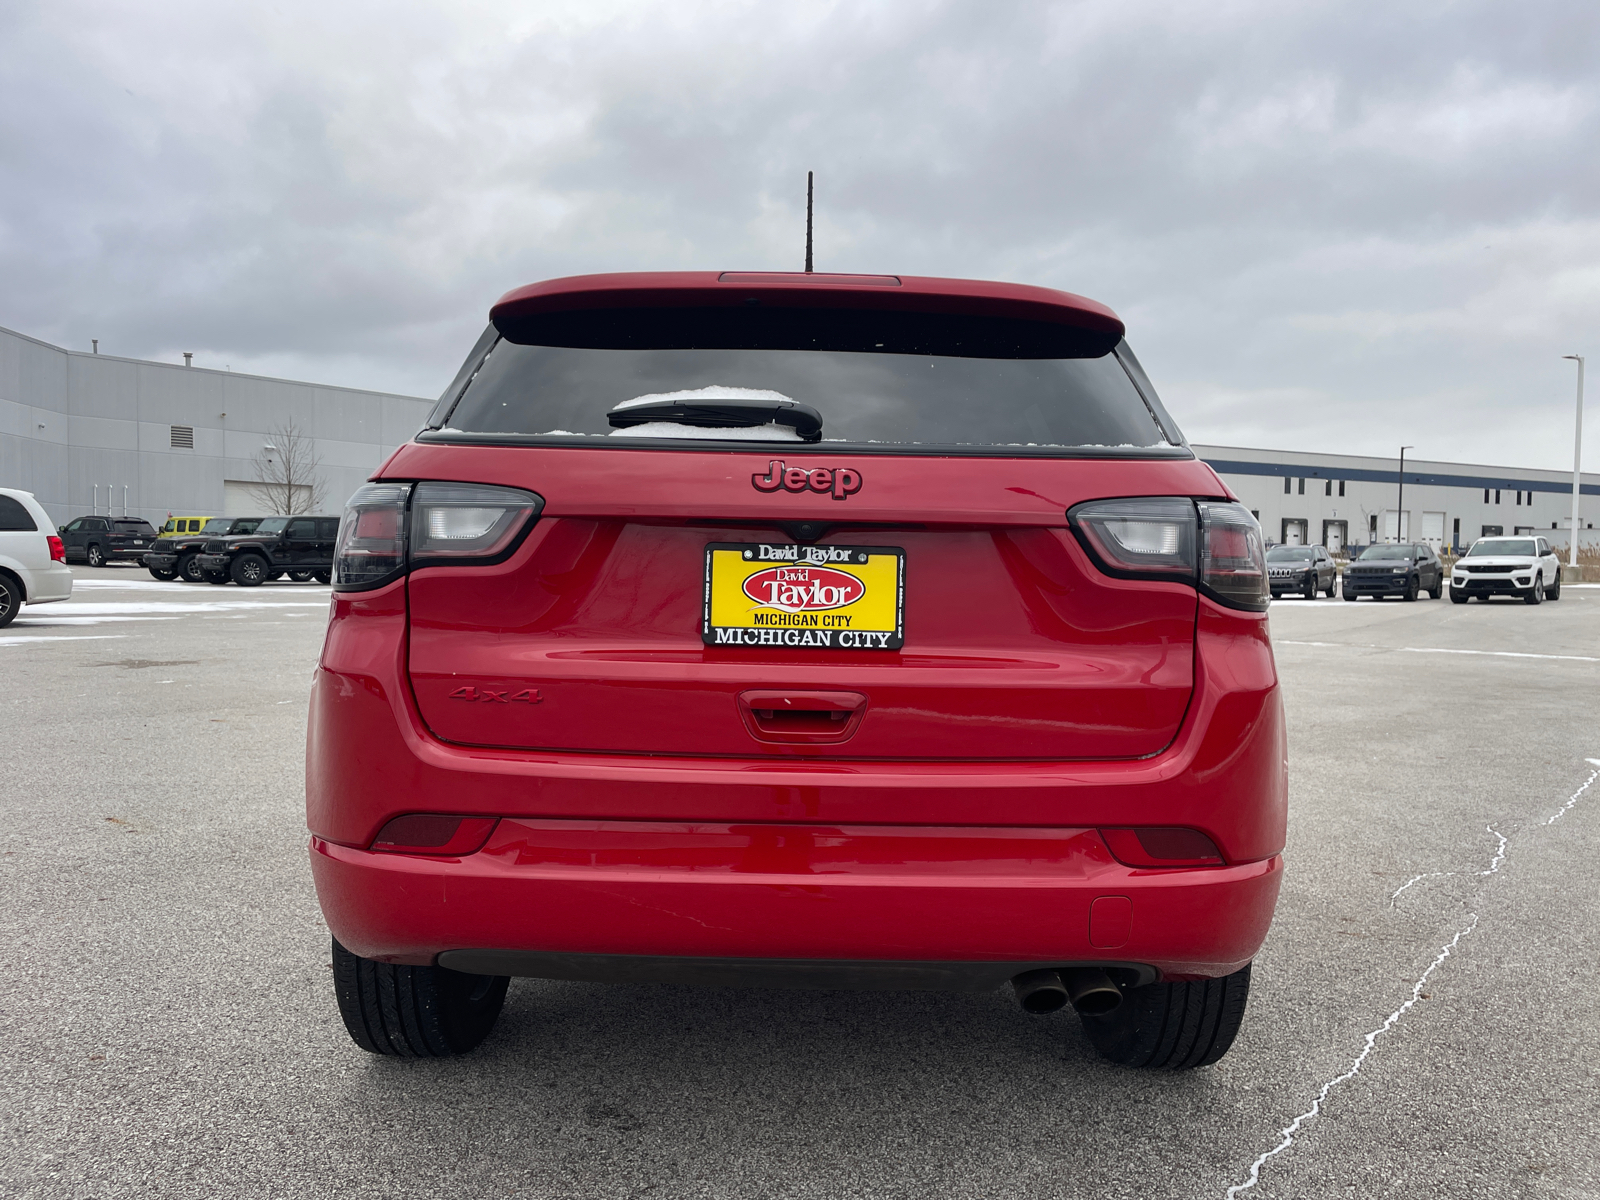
(674,602)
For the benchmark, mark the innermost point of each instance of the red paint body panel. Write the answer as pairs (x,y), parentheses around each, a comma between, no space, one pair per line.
(788,891)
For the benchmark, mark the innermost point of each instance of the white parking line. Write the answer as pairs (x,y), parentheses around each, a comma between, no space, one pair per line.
(153,585)
(1437,650)
(67,637)
(136,608)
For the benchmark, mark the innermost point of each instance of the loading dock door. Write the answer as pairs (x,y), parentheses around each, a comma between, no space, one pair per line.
(1433,530)
(1294,532)
(1334,536)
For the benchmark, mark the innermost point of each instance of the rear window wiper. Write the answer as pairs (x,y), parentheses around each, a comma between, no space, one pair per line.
(720,413)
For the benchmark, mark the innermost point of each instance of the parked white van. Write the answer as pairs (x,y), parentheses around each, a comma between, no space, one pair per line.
(33,562)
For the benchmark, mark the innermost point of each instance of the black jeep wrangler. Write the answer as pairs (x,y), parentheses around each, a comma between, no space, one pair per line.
(301,547)
(174,557)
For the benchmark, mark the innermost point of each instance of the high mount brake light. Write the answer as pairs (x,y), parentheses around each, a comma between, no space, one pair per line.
(388,528)
(1233,560)
(1147,537)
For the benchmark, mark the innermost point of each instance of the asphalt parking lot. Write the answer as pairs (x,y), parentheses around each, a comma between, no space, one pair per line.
(1424,1018)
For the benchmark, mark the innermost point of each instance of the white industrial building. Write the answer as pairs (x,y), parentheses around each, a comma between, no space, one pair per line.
(89,433)
(1339,500)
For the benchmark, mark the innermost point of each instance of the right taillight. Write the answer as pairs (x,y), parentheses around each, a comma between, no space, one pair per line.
(388,528)
(1233,561)
(1140,537)
(1215,545)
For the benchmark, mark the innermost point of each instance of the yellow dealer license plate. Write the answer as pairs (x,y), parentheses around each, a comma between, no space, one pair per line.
(823,597)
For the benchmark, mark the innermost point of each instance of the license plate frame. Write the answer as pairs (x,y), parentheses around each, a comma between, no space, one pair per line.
(816,617)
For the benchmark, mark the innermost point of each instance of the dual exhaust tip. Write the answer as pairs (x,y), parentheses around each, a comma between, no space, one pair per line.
(1088,989)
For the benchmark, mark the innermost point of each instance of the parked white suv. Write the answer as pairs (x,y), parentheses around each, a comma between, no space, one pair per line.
(1507,566)
(33,562)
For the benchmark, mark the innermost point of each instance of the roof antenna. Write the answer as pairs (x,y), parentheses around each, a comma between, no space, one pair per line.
(808,222)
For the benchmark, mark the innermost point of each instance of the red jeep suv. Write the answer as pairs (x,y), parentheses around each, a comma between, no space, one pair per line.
(776,630)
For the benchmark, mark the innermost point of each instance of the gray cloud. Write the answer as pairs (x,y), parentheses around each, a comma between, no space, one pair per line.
(1328,225)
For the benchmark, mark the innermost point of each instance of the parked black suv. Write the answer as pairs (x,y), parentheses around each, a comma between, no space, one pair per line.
(1302,570)
(300,546)
(99,540)
(1402,570)
(175,557)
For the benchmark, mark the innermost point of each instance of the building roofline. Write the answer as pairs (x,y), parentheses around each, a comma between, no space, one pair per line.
(150,362)
(1422,472)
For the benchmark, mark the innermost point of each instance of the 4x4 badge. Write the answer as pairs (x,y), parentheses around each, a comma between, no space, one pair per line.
(841,481)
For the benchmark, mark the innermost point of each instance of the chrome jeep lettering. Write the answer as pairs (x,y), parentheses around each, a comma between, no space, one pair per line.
(839,482)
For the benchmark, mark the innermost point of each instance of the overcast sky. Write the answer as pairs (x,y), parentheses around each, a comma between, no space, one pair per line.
(1329,226)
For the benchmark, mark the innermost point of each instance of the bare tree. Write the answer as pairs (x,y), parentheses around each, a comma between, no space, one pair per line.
(288,473)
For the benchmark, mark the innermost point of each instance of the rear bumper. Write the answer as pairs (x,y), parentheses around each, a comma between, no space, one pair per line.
(44,585)
(878,906)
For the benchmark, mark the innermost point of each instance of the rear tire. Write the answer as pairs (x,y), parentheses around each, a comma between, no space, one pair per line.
(10,599)
(299,576)
(249,570)
(1172,1026)
(96,556)
(1554,592)
(1535,594)
(414,1012)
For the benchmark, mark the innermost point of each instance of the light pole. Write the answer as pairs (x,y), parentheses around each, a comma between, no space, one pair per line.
(1400,504)
(1577,464)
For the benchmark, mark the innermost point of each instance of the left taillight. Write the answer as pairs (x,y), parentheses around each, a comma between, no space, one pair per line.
(389,528)
(58,549)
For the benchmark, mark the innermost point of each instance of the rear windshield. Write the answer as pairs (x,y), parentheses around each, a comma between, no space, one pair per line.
(864,397)
(134,526)
(1509,546)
